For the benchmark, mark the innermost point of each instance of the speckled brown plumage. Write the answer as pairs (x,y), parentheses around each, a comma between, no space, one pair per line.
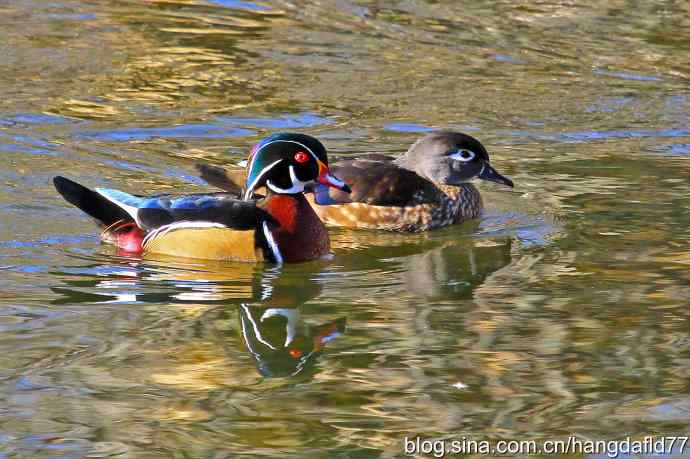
(455,204)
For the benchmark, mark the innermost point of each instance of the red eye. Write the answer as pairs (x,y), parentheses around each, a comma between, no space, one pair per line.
(295,353)
(301,157)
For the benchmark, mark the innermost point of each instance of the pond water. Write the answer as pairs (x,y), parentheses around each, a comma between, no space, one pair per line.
(563,311)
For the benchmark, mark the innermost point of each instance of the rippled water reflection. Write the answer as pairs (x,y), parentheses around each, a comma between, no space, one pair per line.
(562,311)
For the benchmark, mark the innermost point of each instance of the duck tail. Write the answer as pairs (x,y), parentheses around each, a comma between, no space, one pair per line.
(105,212)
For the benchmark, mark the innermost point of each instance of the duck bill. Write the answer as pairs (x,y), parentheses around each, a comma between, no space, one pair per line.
(327,179)
(490,174)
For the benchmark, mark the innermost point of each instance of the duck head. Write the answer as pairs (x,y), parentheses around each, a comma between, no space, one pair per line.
(281,343)
(451,158)
(286,163)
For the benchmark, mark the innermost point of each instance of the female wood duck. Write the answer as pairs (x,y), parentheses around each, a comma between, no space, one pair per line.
(425,188)
(280,227)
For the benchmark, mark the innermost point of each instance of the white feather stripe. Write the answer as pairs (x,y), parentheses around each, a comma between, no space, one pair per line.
(250,188)
(252,163)
(257,332)
(297,184)
(286,141)
(131,210)
(292,316)
(165,229)
(272,243)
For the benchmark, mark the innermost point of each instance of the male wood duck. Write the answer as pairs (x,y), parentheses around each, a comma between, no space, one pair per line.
(280,227)
(426,188)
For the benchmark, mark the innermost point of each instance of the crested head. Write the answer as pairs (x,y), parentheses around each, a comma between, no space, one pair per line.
(287,162)
(450,158)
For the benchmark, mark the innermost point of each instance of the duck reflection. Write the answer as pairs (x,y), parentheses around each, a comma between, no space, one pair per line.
(453,272)
(281,319)
(262,305)
(273,330)
(281,343)
(441,265)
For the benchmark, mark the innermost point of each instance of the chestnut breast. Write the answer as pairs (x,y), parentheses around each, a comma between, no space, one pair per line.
(299,234)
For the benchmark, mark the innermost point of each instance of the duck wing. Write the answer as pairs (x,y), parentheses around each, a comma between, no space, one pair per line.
(151,213)
(377,180)
(212,226)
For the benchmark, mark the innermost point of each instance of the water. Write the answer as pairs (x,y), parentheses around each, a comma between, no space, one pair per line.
(563,311)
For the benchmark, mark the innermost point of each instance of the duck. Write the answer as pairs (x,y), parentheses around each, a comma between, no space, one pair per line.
(280,226)
(426,188)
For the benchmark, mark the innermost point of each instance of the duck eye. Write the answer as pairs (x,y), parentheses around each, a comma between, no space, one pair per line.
(463,155)
(301,157)
(295,353)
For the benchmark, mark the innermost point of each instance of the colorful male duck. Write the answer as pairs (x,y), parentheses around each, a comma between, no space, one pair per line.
(281,227)
(426,188)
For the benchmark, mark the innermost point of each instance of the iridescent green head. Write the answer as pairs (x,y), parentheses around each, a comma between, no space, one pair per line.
(286,163)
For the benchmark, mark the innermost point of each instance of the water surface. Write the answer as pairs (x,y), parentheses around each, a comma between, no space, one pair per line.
(562,311)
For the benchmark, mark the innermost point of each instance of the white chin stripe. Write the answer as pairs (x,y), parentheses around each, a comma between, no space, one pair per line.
(272,243)
(297,185)
(250,188)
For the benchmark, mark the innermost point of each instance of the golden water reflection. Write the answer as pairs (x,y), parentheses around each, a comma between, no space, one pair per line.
(563,310)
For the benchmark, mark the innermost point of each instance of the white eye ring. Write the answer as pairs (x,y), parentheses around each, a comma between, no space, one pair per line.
(463,155)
